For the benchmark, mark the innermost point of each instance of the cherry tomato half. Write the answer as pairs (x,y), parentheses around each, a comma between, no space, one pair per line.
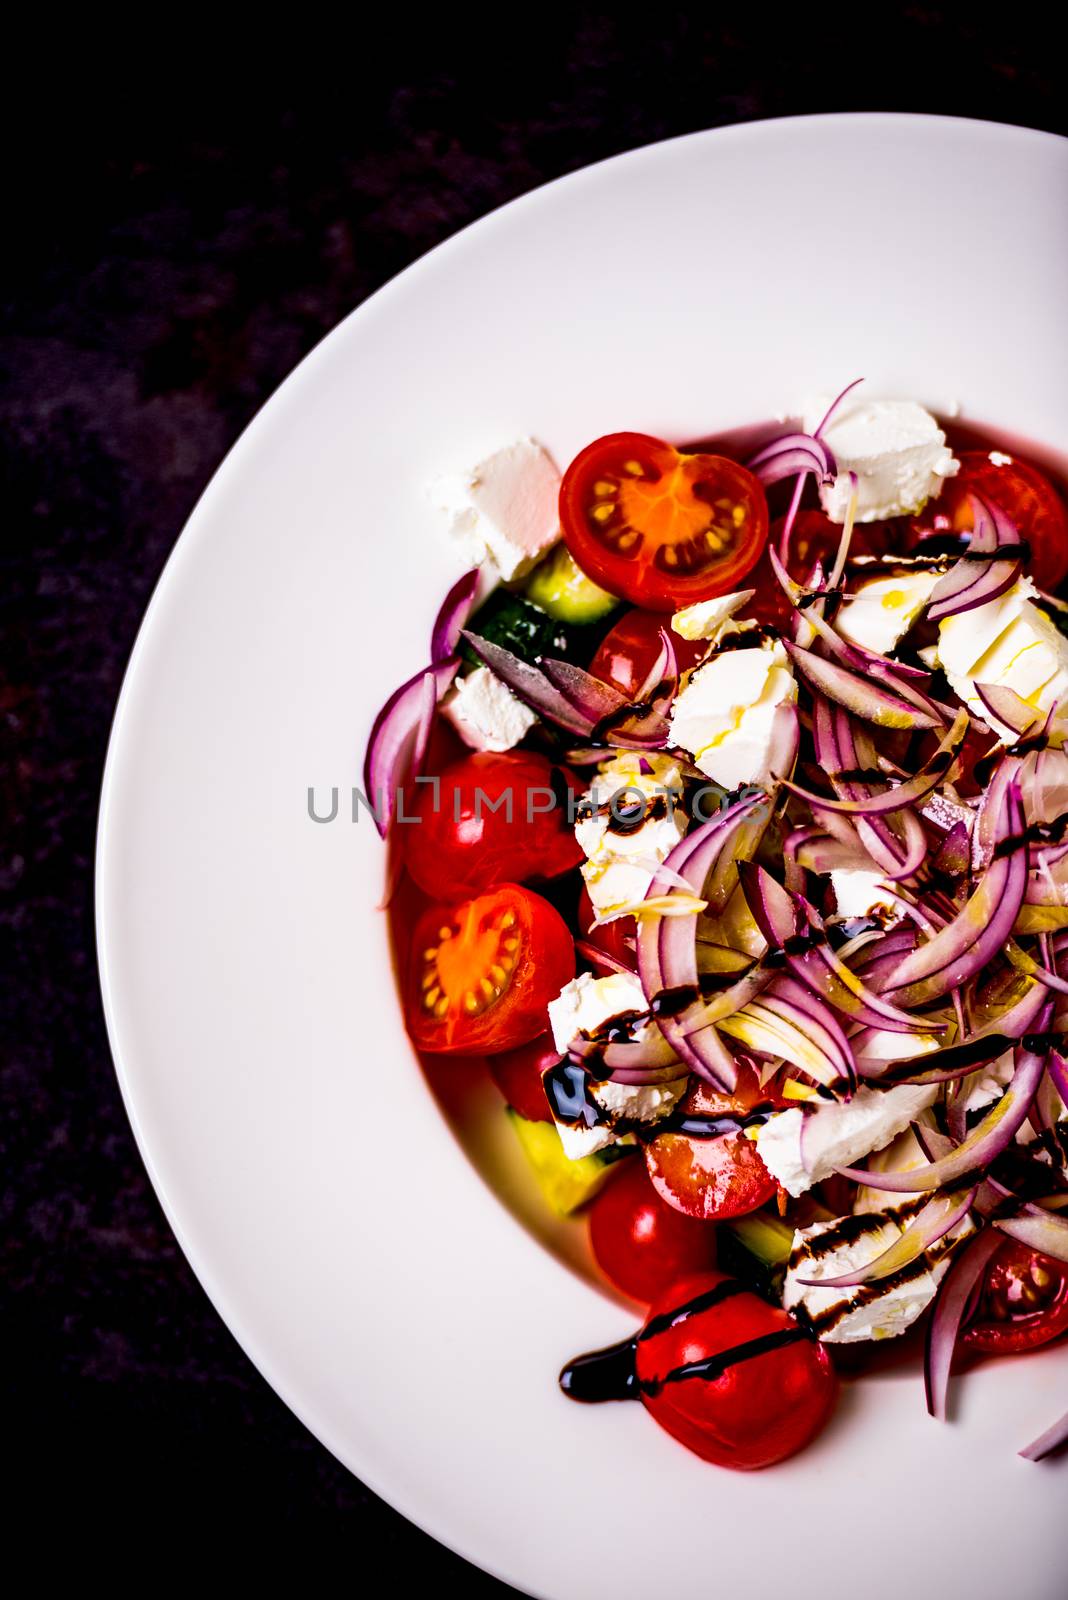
(642,1245)
(712,1178)
(519,1075)
(491,818)
(629,651)
(480,975)
(1023,1304)
(1023,493)
(661,528)
(752,1413)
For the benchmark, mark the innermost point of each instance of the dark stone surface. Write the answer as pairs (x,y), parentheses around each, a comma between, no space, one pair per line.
(177,240)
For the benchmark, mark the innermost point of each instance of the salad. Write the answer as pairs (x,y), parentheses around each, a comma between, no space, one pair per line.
(728,827)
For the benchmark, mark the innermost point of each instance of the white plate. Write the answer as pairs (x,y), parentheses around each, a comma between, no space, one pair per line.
(339,1227)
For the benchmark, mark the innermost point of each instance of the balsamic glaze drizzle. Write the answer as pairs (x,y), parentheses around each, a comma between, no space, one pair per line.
(611,1373)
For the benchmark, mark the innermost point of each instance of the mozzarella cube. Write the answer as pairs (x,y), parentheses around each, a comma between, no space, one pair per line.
(506,508)
(896,449)
(725,714)
(485,712)
(800,1148)
(1011,642)
(879,614)
(879,1310)
(706,619)
(583,1006)
(620,864)
(859,893)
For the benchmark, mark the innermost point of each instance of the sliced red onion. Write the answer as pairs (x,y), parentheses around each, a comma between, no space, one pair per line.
(1007,707)
(1030,1014)
(791,454)
(667,946)
(939,1216)
(455,610)
(591,698)
(1057,1067)
(837,751)
(1053,1438)
(600,958)
(531,685)
(796,1006)
(835,405)
(665,669)
(907,793)
(954,853)
(784,919)
(983,1145)
(951,1306)
(1038,1230)
(398,739)
(862,696)
(784,742)
(970,583)
(982,929)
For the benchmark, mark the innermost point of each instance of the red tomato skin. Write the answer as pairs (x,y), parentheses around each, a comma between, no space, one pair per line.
(712,1179)
(1014,1273)
(642,582)
(629,651)
(761,1410)
(1018,489)
(640,1244)
(615,938)
(545,961)
(518,1075)
(461,846)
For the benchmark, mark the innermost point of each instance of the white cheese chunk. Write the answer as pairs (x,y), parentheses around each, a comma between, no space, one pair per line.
(896,449)
(879,614)
(881,1310)
(620,865)
(506,508)
(705,620)
(800,1148)
(725,714)
(485,712)
(581,1007)
(1011,642)
(859,893)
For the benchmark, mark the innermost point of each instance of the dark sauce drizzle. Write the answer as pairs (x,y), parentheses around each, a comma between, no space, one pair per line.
(611,1374)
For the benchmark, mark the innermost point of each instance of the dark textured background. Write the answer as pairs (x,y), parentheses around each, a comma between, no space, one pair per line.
(181,230)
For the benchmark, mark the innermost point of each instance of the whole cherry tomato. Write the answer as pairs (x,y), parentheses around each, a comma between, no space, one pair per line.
(519,1075)
(730,1376)
(713,1178)
(640,1244)
(492,818)
(661,528)
(481,974)
(1023,1302)
(629,651)
(1018,489)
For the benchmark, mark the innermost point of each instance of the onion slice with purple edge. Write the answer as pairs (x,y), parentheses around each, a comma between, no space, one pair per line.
(1038,1230)
(1009,708)
(862,696)
(954,1298)
(790,1022)
(667,946)
(897,854)
(981,930)
(1053,1438)
(983,1145)
(958,1060)
(790,454)
(531,685)
(939,1216)
(784,920)
(398,740)
(907,793)
(970,582)
(449,622)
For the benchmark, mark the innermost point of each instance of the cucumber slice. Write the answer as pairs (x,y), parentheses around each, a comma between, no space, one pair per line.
(566,1184)
(562,589)
(756,1249)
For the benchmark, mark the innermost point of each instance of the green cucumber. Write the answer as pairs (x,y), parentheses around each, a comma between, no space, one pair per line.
(566,1184)
(562,589)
